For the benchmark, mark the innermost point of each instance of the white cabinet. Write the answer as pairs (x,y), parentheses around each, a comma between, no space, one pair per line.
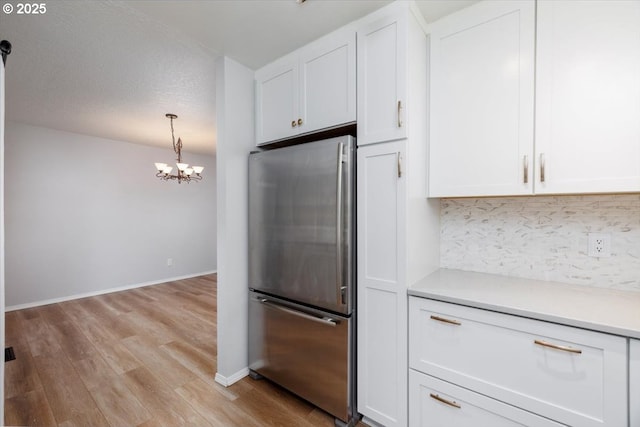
(277,100)
(436,403)
(569,375)
(588,96)
(310,89)
(482,87)
(587,99)
(382,79)
(382,299)
(398,227)
(634,382)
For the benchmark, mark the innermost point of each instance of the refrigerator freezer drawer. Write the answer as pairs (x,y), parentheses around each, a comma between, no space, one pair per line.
(304,350)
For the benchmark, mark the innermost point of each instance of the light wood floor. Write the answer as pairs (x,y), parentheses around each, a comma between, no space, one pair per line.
(144,357)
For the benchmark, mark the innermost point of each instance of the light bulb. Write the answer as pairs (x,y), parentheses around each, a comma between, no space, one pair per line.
(167,170)
(161,166)
(198,169)
(188,171)
(182,166)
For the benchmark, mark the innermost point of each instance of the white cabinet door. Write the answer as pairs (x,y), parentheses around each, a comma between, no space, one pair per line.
(634,382)
(482,87)
(382,297)
(588,96)
(328,82)
(382,79)
(277,100)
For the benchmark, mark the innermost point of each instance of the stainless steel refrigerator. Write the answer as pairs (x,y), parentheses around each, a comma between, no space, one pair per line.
(301,272)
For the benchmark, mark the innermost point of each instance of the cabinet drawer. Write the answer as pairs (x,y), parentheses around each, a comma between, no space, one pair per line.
(429,407)
(571,375)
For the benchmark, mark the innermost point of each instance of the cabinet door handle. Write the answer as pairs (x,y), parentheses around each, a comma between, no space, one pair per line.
(558,347)
(542,178)
(445,401)
(445,320)
(525,176)
(299,122)
(293,123)
(399,114)
(399,165)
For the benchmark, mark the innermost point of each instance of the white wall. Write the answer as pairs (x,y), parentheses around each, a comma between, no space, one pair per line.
(85,215)
(544,238)
(234,106)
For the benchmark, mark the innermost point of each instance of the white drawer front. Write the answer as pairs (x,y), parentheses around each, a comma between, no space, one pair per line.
(497,355)
(428,407)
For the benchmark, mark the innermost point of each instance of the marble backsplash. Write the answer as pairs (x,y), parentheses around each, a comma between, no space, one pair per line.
(544,238)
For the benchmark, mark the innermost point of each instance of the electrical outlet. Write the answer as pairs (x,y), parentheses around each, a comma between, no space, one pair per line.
(169,262)
(599,245)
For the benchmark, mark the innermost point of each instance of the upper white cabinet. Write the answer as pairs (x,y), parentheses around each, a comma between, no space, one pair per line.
(482,86)
(313,88)
(588,97)
(382,79)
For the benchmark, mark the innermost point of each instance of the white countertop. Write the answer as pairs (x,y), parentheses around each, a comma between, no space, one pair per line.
(604,310)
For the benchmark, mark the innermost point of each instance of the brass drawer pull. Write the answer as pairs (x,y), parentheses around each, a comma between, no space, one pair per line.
(445,401)
(445,320)
(558,347)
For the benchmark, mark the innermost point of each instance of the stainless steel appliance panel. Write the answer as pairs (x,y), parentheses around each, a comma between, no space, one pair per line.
(303,350)
(300,223)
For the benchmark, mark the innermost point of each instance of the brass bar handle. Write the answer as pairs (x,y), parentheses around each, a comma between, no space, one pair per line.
(399,165)
(558,347)
(526,170)
(542,168)
(293,123)
(445,320)
(445,401)
(399,114)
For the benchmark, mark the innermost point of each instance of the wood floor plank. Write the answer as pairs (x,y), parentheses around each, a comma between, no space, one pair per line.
(95,371)
(167,406)
(119,404)
(20,375)
(206,400)
(159,362)
(91,417)
(198,362)
(41,340)
(28,409)
(67,395)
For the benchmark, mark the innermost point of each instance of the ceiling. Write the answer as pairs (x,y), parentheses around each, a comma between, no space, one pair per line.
(112,69)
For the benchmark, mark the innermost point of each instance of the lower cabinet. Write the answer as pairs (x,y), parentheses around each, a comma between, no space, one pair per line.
(436,403)
(573,376)
(634,383)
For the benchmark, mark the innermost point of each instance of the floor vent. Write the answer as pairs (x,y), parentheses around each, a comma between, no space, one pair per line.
(9,354)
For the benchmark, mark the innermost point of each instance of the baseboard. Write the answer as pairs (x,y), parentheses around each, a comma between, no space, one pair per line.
(104,291)
(227,381)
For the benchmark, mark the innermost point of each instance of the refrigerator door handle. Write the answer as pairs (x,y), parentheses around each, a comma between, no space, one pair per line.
(324,320)
(339,287)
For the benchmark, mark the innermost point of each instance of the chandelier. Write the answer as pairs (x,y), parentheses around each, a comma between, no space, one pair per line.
(185,172)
